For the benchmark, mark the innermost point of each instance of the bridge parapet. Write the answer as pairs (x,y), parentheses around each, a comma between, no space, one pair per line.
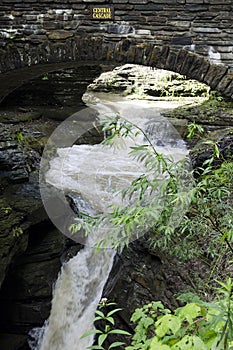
(204,27)
(191,37)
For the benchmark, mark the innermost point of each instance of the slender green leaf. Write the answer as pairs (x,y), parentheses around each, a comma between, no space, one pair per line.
(96,347)
(119,331)
(101,339)
(100,313)
(111,320)
(90,332)
(116,344)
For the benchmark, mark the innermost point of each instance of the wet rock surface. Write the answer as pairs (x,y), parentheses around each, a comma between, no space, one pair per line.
(19,116)
(213,114)
(31,249)
(146,82)
(223,138)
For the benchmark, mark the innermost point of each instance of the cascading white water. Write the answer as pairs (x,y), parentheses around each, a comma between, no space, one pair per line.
(81,281)
(95,173)
(76,295)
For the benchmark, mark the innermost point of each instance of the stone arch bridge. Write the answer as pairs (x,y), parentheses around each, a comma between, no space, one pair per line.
(190,37)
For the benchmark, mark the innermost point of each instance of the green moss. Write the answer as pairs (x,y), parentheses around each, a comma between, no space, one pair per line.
(34,143)
(214,110)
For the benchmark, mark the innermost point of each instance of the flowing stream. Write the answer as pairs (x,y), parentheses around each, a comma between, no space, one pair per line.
(94,174)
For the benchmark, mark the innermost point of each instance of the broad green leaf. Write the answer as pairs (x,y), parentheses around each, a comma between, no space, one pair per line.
(189,312)
(198,344)
(110,313)
(167,323)
(157,345)
(158,305)
(186,343)
(188,297)
(208,335)
(138,313)
(147,322)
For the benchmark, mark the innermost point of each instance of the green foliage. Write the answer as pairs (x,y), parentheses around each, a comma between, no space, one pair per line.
(197,325)
(19,137)
(28,142)
(206,230)
(109,322)
(158,199)
(193,130)
(151,198)
(144,318)
(208,226)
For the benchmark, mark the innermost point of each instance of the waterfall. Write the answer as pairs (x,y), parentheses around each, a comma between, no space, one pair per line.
(76,295)
(81,281)
(95,174)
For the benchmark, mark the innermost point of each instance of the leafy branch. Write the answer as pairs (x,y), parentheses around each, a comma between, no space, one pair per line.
(149,200)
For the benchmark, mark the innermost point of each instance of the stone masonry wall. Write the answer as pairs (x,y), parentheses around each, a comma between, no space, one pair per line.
(202,26)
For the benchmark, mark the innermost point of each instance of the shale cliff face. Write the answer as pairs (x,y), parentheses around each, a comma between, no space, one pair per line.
(27,117)
(32,250)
